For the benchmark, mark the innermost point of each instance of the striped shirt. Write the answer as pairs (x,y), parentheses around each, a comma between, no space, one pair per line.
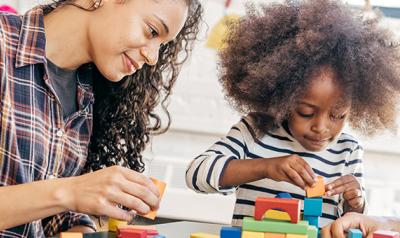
(342,156)
(35,142)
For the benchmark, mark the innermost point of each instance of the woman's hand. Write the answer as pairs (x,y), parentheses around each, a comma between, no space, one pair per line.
(367,224)
(100,192)
(351,189)
(290,168)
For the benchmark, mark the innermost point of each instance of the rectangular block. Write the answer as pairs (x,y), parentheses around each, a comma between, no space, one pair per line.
(318,190)
(312,221)
(161,188)
(114,223)
(203,235)
(151,230)
(312,232)
(252,234)
(230,232)
(354,233)
(385,234)
(249,224)
(71,235)
(295,236)
(131,234)
(312,207)
(274,235)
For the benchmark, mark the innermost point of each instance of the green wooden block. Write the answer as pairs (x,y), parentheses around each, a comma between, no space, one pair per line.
(249,224)
(312,232)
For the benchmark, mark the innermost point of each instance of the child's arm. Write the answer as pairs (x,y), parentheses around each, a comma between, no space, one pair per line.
(227,164)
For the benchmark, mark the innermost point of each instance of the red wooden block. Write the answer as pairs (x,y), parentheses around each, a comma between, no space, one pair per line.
(385,234)
(130,233)
(291,206)
(151,230)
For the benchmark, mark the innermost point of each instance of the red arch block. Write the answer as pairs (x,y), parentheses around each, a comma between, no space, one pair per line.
(291,206)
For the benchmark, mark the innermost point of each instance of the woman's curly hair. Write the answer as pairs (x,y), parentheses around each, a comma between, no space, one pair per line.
(273,49)
(124,112)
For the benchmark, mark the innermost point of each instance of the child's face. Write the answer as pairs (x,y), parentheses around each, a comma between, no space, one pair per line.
(320,114)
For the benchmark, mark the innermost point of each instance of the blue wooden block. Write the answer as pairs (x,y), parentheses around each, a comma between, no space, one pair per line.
(158,236)
(354,233)
(312,220)
(231,232)
(283,195)
(312,207)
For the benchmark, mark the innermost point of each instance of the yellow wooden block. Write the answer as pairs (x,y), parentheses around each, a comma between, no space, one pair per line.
(295,236)
(203,235)
(274,235)
(252,234)
(318,190)
(71,235)
(114,223)
(277,215)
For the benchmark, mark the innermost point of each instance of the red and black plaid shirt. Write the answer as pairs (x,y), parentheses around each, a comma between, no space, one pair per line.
(35,141)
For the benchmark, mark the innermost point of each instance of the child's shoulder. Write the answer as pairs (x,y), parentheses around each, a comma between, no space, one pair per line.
(348,141)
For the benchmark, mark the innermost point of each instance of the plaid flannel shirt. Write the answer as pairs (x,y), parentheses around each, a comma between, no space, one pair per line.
(35,142)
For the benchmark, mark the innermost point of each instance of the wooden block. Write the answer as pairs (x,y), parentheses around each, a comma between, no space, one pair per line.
(130,233)
(312,220)
(114,223)
(151,230)
(71,235)
(249,224)
(312,232)
(277,215)
(230,232)
(161,188)
(158,236)
(252,234)
(318,190)
(354,233)
(291,206)
(274,235)
(385,234)
(312,207)
(284,195)
(203,235)
(295,236)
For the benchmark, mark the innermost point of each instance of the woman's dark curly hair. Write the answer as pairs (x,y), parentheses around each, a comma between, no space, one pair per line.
(273,50)
(124,112)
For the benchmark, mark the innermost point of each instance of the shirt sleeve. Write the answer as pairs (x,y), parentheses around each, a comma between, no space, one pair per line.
(204,172)
(65,221)
(355,167)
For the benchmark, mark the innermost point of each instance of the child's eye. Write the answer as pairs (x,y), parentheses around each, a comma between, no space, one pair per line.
(153,32)
(305,115)
(338,117)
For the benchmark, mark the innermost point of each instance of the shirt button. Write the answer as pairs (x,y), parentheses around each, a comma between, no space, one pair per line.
(60,133)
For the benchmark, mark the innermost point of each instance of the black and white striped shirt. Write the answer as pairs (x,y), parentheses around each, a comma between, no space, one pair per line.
(342,156)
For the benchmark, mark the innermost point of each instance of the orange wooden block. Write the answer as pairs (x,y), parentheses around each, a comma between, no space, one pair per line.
(291,206)
(318,190)
(274,235)
(71,235)
(161,188)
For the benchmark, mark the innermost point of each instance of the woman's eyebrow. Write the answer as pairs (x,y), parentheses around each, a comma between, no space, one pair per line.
(162,23)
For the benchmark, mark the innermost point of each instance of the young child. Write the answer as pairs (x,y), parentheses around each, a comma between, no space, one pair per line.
(299,71)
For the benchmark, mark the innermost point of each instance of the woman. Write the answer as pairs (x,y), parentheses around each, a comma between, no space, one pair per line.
(55,61)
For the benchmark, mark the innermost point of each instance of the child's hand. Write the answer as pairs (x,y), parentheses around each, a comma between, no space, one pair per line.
(292,169)
(351,189)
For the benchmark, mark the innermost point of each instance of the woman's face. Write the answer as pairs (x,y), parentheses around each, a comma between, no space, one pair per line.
(126,34)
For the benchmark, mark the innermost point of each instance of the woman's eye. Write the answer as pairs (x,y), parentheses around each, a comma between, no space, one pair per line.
(153,32)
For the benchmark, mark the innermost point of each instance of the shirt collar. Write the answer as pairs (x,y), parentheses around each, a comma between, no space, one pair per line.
(32,40)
